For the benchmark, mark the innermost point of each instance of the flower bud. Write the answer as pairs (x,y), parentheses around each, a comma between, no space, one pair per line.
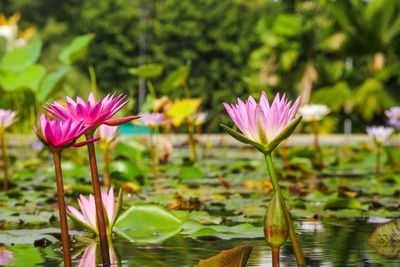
(275,225)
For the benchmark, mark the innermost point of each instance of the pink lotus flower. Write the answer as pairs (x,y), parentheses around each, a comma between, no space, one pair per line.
(58,134)
(394,116)
(7,118)
(87,214)
(91,112)
(262,122)
(152,119)
(107,133)
(6,256)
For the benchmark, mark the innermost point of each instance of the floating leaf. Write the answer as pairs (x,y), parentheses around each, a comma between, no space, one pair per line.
(190,173)
(235,257)
(386,239)
(147,224)
(342,203)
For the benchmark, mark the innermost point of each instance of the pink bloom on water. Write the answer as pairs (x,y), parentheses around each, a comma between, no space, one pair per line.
(88,258)
(394,117)
(7,118)
(91,112)
(152,119)
(58,134)
(6,256)
(380,134)
(87,214)
(107,133)
(262,122)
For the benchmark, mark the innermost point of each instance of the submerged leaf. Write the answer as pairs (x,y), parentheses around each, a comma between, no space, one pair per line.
(386,239)
(235,257)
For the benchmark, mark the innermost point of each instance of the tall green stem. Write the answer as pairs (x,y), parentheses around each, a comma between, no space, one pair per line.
(5,162)
(153,155)
(107,176)
(378,160)
(192,143)
(292,233)
(62,209)
(101,223)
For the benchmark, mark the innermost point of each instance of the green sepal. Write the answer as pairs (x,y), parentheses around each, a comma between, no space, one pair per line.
(84,225)
(284,134)
(243,139)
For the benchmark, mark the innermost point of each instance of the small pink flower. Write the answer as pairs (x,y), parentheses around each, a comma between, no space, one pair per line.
(91,112)
(87,214)
(6,256)
(152,119)
(58,134)
(380,134)
(7,118)
(107,133)
(262,122)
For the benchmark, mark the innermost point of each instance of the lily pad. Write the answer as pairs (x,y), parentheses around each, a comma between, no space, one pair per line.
(235,257)
(386,239)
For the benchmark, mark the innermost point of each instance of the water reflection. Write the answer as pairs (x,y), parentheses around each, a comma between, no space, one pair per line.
(327,243)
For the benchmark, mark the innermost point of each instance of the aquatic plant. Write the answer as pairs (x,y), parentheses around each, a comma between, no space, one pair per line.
(265,126)
(153,121)
(58,135)
(7,118)
(107,135)
(93,114)
(6,256)
(87,214)
(89,259)
(379,134)
(313,113)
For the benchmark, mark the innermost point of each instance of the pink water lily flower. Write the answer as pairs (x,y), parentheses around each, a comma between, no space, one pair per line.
(89,256)
(7,118)
(380,134)
(152,119)
(393,115)
(91,112)
(58,134)
(262,122)
(107,133)
(87,214)
(6,256)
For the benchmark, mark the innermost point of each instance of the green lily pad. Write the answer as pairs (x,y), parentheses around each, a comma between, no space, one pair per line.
(386,239)
(235,257)
(147,224)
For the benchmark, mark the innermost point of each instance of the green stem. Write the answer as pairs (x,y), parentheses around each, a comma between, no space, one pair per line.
(292,233)
(107,176)
(378,160)
(192,143)
(101,222)
(153,155)
(320,160)
(5,161)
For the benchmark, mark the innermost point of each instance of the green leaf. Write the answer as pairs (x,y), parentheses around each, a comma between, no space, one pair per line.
(51,83)
(342,203)
(147,71)
(124,170)
(175,79)
(235,257)
(76,49)
(21,58)
(190,173)
(386,239)
(29,79)
(148,224)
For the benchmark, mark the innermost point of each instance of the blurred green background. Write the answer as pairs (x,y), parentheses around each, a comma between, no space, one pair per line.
(343,53)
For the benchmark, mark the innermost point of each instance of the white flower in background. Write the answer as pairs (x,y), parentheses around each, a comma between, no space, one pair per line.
(9,32)
(199,118)
(107,133)
(380,134)
(313,112)
(7,118)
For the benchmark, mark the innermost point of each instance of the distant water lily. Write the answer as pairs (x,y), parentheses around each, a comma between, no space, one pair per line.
(379,134)
(265,126)
(86,216)
(107,135)
(394,117)
(152,119)
(313,112)
(7,118)
(199,118)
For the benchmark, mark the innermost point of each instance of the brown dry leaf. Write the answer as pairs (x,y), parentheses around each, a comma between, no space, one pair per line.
(235,257)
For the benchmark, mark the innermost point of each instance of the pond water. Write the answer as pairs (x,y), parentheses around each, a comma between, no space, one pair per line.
(325,243)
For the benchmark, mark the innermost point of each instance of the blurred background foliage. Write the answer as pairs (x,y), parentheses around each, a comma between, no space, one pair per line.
(343,53)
